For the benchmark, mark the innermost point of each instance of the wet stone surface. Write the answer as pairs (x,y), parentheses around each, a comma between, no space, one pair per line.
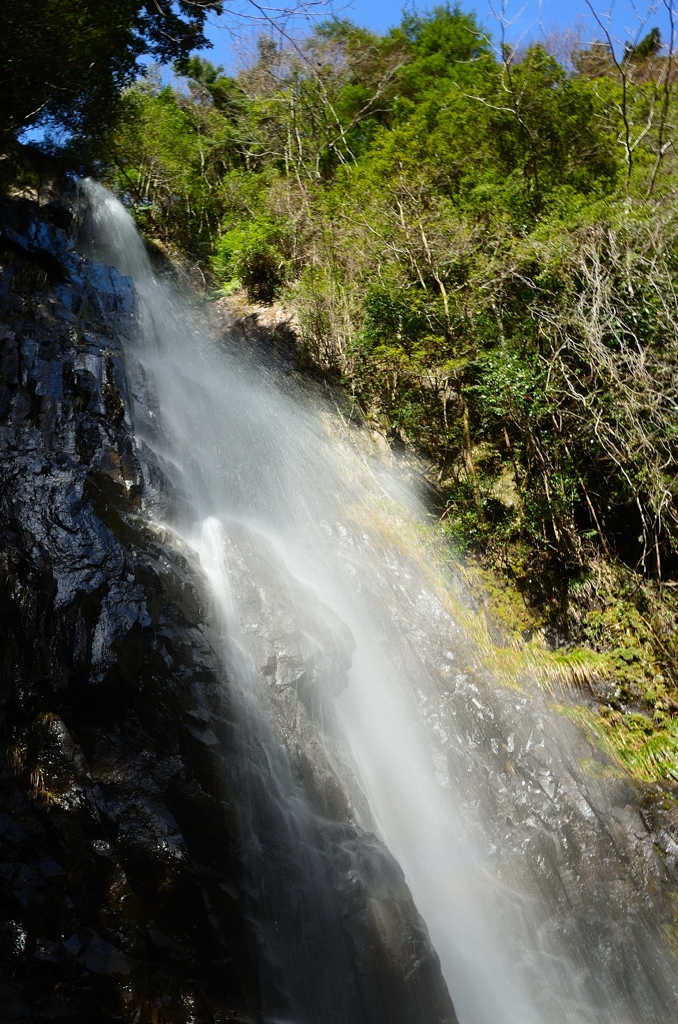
(365,955)
(117,864)
(140,822)
(584,860)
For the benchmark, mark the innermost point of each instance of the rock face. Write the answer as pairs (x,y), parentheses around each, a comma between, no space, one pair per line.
(116,831)
(368,948)
(133,850)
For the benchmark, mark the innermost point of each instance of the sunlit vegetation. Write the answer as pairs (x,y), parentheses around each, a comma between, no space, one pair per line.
(480,245)
(470,242)
(617,682)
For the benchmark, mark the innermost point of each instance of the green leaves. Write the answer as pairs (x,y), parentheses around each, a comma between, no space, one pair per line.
(461,242)
(64,63)
(251,255)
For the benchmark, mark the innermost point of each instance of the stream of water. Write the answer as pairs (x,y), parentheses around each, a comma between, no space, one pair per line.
(535,877)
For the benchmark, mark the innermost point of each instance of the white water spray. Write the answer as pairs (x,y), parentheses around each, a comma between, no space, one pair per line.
(521,866)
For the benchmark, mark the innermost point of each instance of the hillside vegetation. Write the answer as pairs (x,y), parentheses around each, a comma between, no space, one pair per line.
(481,246)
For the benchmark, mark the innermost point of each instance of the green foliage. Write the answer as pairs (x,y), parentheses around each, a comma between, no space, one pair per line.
(446,44)
(224,92)
(647,751)
(170,158)
(482,249)
(649,46)
(64,62)
(476,246)
(250,255)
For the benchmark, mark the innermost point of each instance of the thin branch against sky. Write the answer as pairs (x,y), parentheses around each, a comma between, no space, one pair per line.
(234,34)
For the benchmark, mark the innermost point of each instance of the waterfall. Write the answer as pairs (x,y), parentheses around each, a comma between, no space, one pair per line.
(531,872)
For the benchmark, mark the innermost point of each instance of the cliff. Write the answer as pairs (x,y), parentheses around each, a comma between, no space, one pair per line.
(127,891)
(118,901)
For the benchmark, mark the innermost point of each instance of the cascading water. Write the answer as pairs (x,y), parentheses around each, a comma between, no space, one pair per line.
(535,878)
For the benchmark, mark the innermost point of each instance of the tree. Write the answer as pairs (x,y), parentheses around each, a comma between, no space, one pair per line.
(649,46)
(65,62)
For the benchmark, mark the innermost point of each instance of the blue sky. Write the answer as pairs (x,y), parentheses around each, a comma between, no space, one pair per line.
(529,17)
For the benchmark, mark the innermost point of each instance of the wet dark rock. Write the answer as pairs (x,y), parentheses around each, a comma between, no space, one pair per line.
(301,652)
(131,879)
(587,854)
(101,957)
(116,838)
